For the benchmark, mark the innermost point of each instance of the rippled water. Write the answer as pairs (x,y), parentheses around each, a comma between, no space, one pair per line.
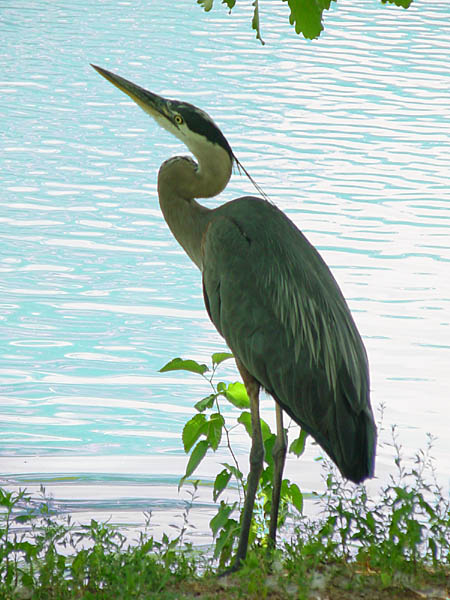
(349,135)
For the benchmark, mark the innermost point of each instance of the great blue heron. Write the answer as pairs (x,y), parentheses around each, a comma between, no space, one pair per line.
(272,297)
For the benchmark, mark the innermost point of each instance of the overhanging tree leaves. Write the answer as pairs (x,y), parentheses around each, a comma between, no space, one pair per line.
(402,3)
(305,15)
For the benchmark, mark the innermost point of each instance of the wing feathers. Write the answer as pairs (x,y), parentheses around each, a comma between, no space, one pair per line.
(274,300)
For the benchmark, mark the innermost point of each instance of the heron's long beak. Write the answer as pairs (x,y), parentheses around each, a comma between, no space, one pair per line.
(154,105)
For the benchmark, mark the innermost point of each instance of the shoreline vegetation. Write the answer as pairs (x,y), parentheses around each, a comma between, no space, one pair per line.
(395,545)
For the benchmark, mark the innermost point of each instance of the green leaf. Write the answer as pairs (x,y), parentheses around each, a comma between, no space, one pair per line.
(193,430)
(245,419)
(306,15)
(215,425)
(224,543)
(178,364)
(370,522)
(79,562)
(402,3)
(234,471)
(298,445)
(29,549)
(265,430)
(206,4)
(229,3)
(25,518)
(27,580)
(221,483)
(205,403)
(269,443)
(236,394)
(219,357)
(433,547)
(6,499)
(195,459)
(255,22)
(221,517)
(296,497)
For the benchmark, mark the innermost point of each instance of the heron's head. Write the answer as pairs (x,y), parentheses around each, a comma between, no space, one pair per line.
(190,124)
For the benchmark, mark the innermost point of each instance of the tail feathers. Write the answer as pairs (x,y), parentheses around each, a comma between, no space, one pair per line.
(347,435)
(341,420)
(356,442)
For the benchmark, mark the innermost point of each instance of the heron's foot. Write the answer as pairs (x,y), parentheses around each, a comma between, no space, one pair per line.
(233,569)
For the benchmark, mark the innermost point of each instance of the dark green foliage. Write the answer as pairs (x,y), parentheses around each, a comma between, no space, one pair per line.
(402,3)
(305,15)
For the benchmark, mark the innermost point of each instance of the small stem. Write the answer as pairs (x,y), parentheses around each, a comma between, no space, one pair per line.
(227,432)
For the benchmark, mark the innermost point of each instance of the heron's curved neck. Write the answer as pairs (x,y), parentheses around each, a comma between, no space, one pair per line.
(180,180)
(187,220)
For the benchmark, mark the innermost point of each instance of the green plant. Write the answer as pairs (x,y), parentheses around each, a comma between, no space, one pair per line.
(205,431)
(43,555)
(396,535)
(410,526)
(29,536)
(305,15)
(398,538)
(13,546)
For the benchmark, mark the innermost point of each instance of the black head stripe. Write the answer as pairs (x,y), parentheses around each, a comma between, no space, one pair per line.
(202,124)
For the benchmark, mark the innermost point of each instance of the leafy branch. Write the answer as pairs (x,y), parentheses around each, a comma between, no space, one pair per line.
(305,15)
(204,432)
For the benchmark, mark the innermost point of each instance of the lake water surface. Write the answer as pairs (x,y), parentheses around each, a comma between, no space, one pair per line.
(348,134)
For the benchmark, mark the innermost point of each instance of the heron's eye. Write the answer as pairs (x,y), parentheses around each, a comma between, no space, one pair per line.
(179,119)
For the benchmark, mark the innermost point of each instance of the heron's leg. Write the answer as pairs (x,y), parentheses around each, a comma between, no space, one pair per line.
(256,464)
(279,457)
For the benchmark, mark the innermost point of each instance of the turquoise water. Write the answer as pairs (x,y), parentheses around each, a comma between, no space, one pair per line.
(349,135)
